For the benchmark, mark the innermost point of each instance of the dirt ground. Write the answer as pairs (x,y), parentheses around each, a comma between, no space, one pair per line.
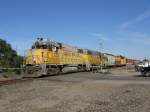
(124,71)
(79,92)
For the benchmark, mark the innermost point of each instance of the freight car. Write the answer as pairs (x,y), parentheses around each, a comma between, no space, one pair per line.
(48,58)
(111,60)
(131,61)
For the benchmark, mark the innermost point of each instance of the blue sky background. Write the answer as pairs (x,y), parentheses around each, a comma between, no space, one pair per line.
(121,25)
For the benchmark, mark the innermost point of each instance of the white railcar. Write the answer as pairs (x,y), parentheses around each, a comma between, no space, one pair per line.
(111,59)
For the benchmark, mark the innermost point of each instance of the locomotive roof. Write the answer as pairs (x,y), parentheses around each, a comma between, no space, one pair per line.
(109,54)
(42,41)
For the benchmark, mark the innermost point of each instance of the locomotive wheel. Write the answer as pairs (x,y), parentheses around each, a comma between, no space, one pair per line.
(32,72)
(147,74)
(56,71)
(53,71)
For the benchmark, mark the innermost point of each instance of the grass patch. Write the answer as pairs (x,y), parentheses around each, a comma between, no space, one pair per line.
(6,73)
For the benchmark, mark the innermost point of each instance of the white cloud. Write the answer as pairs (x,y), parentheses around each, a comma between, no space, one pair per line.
(135,37)
(141,38)
(99,36)
(137,19)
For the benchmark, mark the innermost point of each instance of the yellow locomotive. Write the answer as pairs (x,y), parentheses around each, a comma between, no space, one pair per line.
(48,58)
(120,60)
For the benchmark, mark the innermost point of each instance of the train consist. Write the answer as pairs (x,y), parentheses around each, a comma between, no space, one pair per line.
(48,58)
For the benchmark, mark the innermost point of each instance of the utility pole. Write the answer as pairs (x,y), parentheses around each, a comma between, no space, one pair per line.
(101,48)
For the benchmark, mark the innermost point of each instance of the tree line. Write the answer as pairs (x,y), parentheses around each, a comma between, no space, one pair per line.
(8,56)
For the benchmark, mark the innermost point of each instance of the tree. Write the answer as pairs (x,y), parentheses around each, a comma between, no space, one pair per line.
(8,56)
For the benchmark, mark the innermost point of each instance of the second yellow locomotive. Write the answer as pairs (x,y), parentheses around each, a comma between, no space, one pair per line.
(47,57)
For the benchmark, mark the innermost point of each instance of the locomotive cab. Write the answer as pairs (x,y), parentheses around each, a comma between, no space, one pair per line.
(41,56)
(40,51)
(37,52)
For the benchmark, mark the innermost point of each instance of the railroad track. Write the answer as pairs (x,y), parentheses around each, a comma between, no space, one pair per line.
(13,81)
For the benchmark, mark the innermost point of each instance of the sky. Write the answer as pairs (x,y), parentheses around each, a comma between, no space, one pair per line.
(112,26)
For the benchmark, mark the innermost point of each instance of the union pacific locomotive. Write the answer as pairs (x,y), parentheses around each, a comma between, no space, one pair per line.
(48,58)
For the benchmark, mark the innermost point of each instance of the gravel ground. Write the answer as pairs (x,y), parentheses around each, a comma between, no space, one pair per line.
(71,93)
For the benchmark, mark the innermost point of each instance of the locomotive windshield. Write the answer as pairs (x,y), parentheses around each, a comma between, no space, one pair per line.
(40,44)
(45,44)
(39,47)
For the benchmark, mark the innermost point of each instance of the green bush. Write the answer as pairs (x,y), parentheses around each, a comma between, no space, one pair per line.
(8,56)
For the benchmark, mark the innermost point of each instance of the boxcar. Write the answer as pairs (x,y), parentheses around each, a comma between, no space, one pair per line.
(110,59)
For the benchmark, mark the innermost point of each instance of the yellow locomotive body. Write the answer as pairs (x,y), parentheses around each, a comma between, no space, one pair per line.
(47,57)
(44,56)
(120,60)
